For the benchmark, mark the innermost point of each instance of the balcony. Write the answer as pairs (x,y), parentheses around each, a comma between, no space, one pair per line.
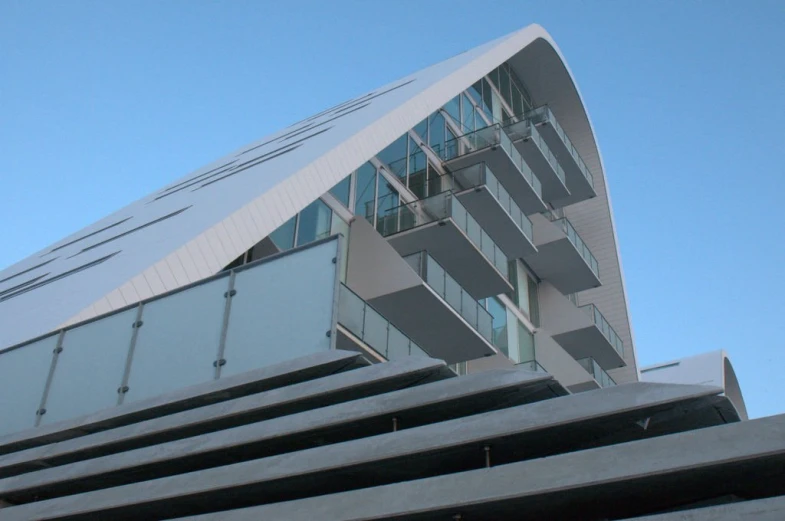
(542,161)
(562,257)
(478,189)
(441,225)
(361,327)
(582,331)
(492,146)
(439,315)
(580,180)
(602,378)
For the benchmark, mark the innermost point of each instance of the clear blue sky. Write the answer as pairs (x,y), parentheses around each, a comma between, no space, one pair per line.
(103,102)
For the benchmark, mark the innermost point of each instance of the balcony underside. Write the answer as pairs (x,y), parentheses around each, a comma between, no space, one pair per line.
(489,213)
(433,324)
(451,248)
(559,263)
(580,188)
(553,189)
(588,385)
(508,175)
(590,342)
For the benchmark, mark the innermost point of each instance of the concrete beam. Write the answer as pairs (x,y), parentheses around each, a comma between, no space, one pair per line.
(769,509)
(254,381)
(451,446)
(311,394)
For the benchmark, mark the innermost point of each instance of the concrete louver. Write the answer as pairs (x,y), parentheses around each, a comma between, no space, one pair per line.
(683,470)
(297,397)
(360,418)
(434,430)
(255,381)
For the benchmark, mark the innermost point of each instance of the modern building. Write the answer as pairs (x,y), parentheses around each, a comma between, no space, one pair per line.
(712,368)
(217,344)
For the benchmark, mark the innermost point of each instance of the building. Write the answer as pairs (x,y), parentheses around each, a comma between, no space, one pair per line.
(216,345)
(712,368)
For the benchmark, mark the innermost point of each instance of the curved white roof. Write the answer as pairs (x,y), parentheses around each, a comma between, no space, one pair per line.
(195,226)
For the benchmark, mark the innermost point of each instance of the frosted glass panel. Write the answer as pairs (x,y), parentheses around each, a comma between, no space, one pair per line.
(23,374)
(90,367)
(178,342)
(282,310)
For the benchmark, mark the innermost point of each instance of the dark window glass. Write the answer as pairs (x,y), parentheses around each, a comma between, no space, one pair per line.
(504,84)
(283,237)
(365,191)
(534,305)
(468,114)
(421,129)
(417,170)
(487,99)
(436,135)
(453,108)
(450,144)
(341,190)
(499,314)
(517,101)
(315,221)
(395,155)
(434,181)
(494,76)
(386,201)
(475,91)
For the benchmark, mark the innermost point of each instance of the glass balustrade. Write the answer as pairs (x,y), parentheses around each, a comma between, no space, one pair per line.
(597,372)
(480,174)
(544,115)
(526,130)
(367,324)
(605,328)
(448,289)
(576,241)
(436,208)
(492,136)
(531,365)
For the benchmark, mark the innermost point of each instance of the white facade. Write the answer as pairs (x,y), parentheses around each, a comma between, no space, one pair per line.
(195,227)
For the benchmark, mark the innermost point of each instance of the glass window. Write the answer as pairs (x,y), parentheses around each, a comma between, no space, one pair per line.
(283,237)
(418,168)
(494,76)
(499,315)
(395,156)
(517,101)
(341,190)
(487,99)
(365,191)
(453,108)
(421,129)
(387,199)
(450,144)
(497,107)
(504,84)
(525,344)
(475,91)
(436,133)
(534,306)
(315,220)
(468,114)
(434,181)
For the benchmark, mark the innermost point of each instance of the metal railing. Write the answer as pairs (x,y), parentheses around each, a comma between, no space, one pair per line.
(605,328)
(597,372)
(367,324)
(447,288)
(436,208)
(491,136)
(544,115)
(480,174)
(575,239)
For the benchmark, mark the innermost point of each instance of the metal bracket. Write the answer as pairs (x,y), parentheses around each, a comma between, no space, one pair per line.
(137,324)
(230,293)
(122,390)
(40,412)
(220,362)
(58,349)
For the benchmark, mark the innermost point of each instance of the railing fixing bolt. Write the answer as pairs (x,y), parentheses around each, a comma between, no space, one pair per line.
(395,423)
(487,450)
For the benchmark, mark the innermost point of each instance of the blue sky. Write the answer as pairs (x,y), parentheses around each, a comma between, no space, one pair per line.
(103,102)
